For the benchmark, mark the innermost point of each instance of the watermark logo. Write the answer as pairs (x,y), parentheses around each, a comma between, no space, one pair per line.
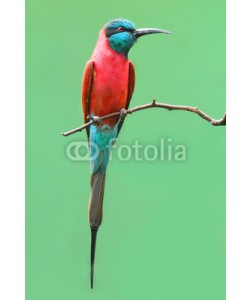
(164,150)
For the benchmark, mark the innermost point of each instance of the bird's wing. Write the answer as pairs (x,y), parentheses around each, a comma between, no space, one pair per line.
(131,86)
(86,89)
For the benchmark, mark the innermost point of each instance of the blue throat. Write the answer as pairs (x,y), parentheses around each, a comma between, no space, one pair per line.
(121,42)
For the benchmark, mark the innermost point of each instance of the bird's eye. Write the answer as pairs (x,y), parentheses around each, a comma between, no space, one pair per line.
(121,28)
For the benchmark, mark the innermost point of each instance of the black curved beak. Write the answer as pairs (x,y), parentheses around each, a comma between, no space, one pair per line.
(143,31)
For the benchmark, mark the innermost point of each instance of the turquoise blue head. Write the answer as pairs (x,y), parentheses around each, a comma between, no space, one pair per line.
(122,34)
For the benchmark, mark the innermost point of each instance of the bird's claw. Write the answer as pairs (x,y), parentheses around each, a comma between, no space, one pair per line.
(97,120)
(123,113)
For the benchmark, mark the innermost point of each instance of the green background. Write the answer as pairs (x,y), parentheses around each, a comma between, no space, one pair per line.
(163,233)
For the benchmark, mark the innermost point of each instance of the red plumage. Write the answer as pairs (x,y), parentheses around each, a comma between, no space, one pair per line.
(108,81)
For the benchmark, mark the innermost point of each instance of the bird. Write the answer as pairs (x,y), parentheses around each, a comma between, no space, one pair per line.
(107,86)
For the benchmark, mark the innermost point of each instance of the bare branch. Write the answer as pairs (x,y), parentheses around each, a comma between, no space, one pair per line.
(213,122)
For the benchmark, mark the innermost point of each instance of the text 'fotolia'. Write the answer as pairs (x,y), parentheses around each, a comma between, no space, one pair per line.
(163,150)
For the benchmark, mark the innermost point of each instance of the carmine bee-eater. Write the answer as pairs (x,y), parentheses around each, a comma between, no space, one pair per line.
(107,87)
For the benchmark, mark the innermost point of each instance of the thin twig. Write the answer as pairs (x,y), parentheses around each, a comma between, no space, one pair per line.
(213,122)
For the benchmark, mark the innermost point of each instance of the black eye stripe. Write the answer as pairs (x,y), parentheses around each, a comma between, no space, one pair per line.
(111,31)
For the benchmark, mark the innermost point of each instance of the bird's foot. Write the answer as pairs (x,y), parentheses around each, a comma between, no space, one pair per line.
(97,120)
(123,113)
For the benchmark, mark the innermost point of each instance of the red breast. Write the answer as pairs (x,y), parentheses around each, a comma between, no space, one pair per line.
(109,89)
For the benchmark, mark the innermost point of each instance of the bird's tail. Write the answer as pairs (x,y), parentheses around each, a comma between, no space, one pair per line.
(97,184)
